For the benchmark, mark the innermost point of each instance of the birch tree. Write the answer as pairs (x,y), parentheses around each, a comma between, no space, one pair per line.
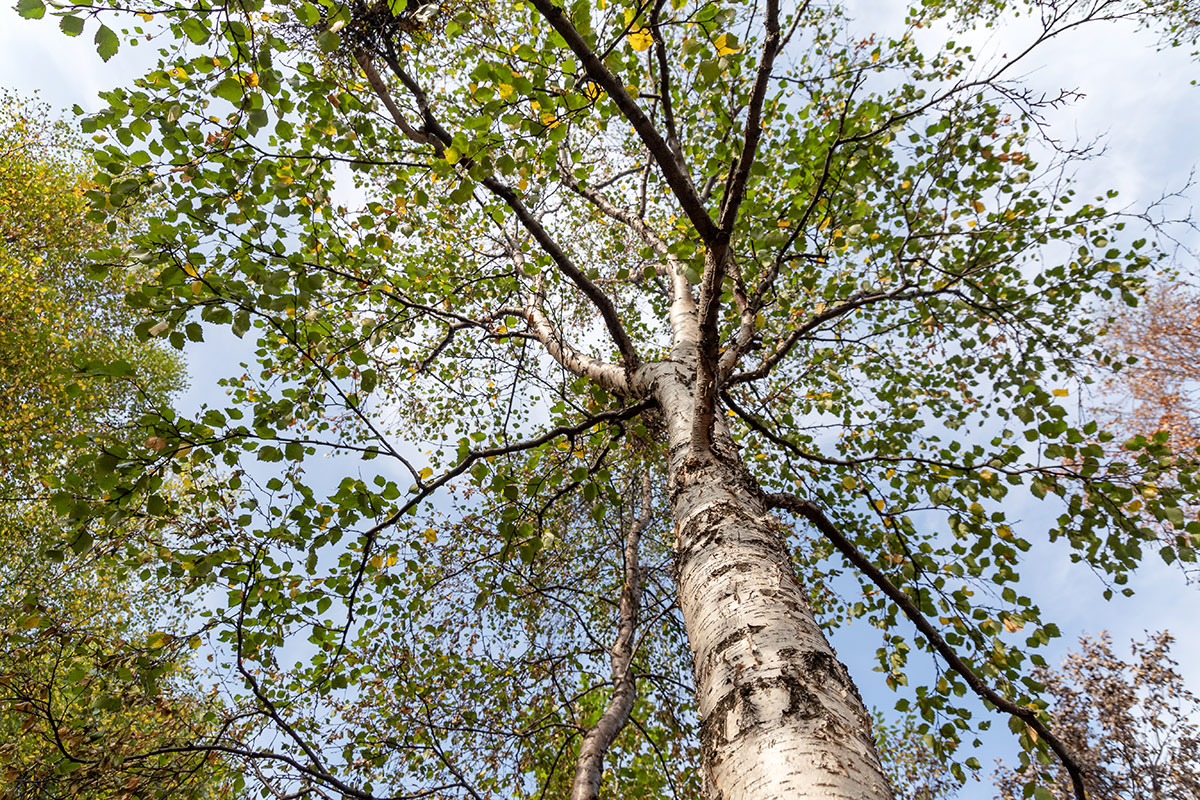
(825,289)
(1131,722)
(82,682)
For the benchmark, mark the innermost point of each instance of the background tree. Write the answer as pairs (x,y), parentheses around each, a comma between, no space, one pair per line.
(1160,388)
(760,254)
(54,318)
(1155,394)
(86,679)
(913,767)
(1133,724)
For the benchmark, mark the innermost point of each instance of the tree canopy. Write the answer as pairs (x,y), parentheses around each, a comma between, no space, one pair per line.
(576,297)
(1132,722)
(80,689)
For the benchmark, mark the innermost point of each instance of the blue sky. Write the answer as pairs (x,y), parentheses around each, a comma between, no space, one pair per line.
(1138,102)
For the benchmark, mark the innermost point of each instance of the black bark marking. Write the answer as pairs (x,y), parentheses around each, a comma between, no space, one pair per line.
(803,704)
(716,573)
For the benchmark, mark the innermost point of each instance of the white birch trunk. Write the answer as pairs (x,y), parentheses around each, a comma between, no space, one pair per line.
(779,714)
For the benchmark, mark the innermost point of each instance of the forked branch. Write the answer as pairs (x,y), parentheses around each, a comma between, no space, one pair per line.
(718,256)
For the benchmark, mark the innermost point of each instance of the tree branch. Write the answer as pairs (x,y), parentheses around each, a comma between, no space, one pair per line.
(439,138)
(664,85)
(855,301)
(547,333)
(675,174)
(813,513)
(716,260)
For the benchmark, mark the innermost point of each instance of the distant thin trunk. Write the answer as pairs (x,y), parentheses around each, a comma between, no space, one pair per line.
(589,766)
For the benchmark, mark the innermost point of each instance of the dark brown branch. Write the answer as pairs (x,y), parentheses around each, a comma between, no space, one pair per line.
(813,513)
(270,709)
(268,755)
(735,189)
(385,97)
(851,303)
(664,85)
(717,258)
(675,174)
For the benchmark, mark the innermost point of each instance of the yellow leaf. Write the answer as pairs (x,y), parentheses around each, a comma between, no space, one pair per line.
(1013,625)
(430,535)
(505,90)
(1061,392)
(880,505)
(978,206)
(726,45)
(426,473)
(592,91)
(640,39)
(550,121)
(874,56)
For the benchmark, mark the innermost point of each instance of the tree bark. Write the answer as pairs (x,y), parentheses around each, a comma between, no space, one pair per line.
(779,715)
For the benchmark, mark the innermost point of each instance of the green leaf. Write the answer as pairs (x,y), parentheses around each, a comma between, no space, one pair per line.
(328,41)
(308,14)
(81,543)
(195,30)
(106,42)
(229,89)
(241,323)
(71,25)
(31,9)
